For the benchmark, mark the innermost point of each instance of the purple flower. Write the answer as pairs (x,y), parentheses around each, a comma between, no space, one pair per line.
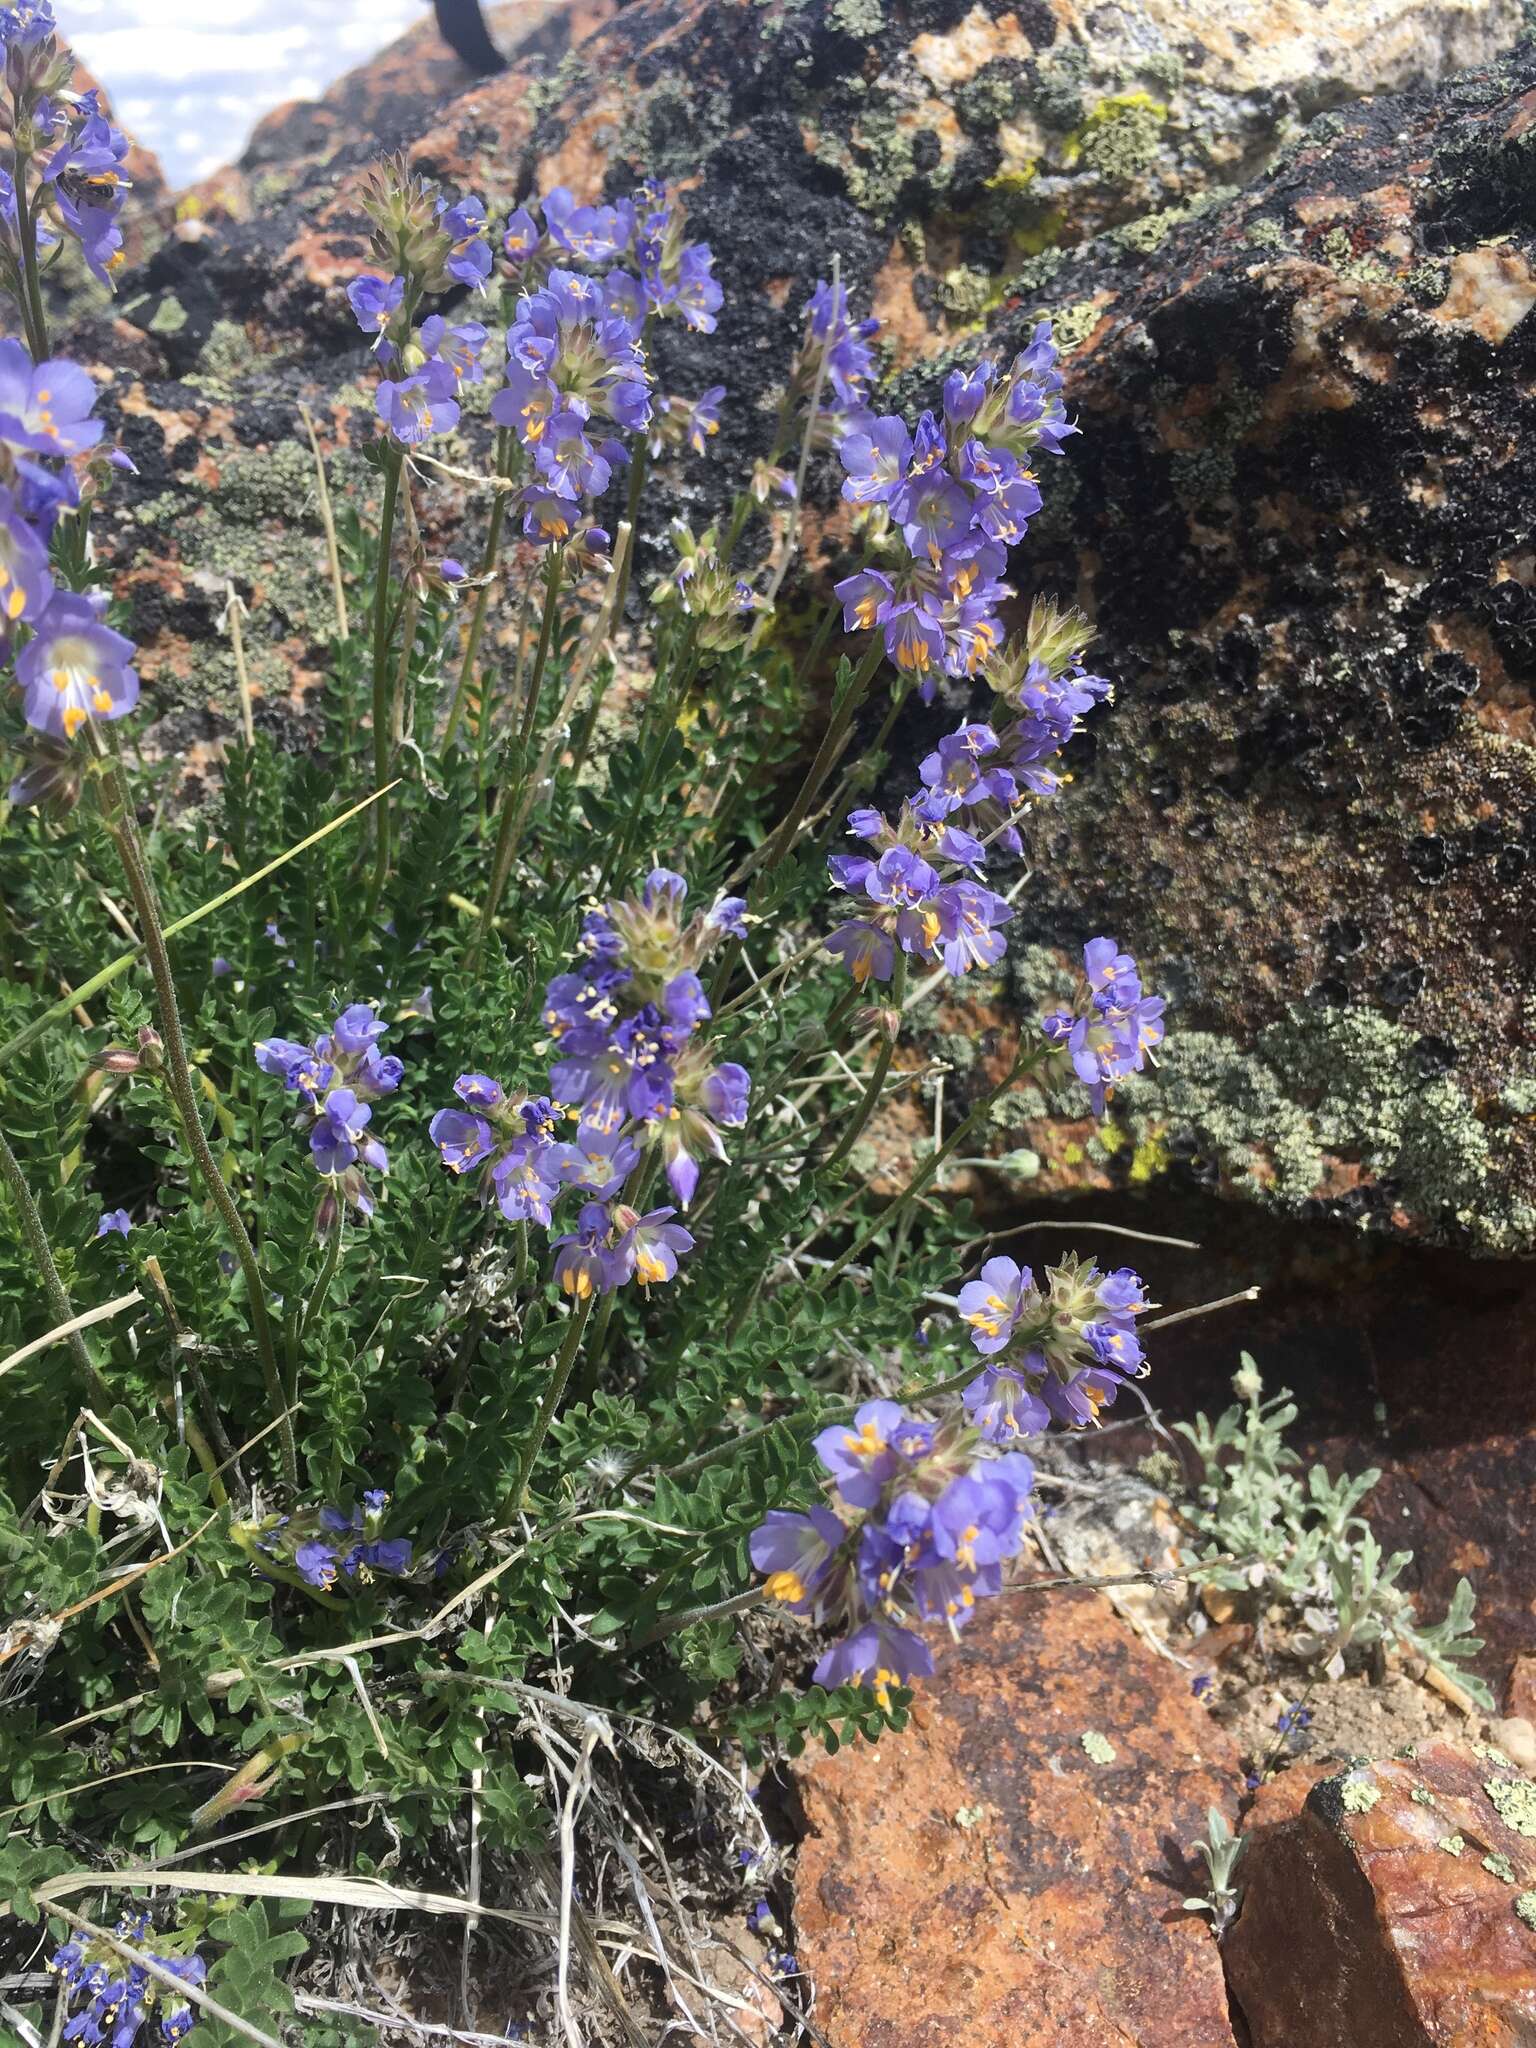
(584,1263)
(797,1553)
(993,1304)
(880,1654)
(26,581)
(1001,1405)
(74,667)
(45,410)
(357,1029)
(522,238)
(469,259)
(862,1458)
(463,1141)
(459,348)
(315,1562)
(478,1091)
(868,952)
(419,405)
(339,1137)
(524,1186)
(375,301)
(875,461)
(114,1220)
(968,919)
(651,1246)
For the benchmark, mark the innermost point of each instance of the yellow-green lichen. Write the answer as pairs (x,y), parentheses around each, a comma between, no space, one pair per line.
(1500,1866)
(1119,140)
(1525,1908)
(1098,1748)
(1451,1844)
(1359,1795)
(1514,1801)
(857,17)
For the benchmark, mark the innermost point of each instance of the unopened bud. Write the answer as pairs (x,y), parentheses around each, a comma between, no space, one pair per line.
(117,1059)
(151,1049)
(326,1214)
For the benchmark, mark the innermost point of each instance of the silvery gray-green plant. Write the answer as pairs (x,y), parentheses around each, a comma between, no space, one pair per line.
(1221,1850)
(1308,1545)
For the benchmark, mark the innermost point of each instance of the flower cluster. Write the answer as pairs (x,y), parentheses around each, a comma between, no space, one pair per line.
(634,1077)
(79,153)
(338,1079)
(429,244)
(574,367)
(114,2001)
(708,591)
(953,497)
(1054,1355)
(327,1547)
(70,665)
(917,890)
(918,1526)
(1111,1027)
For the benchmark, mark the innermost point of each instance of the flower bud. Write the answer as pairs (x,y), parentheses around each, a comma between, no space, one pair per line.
(117,1059)
(151,1049)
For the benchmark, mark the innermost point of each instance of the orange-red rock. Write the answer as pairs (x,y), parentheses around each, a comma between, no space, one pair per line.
(979,1881)
(1388,1913)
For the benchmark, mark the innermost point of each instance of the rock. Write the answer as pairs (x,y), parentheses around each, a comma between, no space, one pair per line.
(1297,515)
(1516,1736)
(983,1878)
(1394,1911)
(1520,1694)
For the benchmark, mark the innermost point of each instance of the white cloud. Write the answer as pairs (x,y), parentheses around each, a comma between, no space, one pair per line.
(191,89)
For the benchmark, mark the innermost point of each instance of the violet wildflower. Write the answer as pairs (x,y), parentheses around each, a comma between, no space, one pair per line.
(424,403)
(333,1548)
(26,581)
(1058,1353)
(45,410)
(337,1079)
(375,301)
(1112,1026)
(919,1528)
(75,668)
(111,1997)
(111,1220)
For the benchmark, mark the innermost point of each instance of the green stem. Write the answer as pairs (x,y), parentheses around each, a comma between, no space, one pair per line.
(517,1497)
(327,1274)
(381,732)
(33,317)
(504,446)
(501,864)
(37,1240)
(637,469)
(671,702)
(1029,1056)
(124,830)
(827,755)
(882,1067)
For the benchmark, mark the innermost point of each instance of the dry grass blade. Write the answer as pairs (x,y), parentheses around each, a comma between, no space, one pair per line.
(83,1321)
(367,1894)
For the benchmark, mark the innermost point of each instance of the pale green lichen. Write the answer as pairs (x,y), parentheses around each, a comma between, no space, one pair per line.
(1061,82)
(1525,1908)
(1265,234)
(1359,1795)
(1119,140)
(1098,1748)
(1331,1081)
(1514,1801)
(1451,1844)
(169,317)
(993,96)
(1422,1796)
(1500,1866)
(1072,325)
(967,293)
(857,17)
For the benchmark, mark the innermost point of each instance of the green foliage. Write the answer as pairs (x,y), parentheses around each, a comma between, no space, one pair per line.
(1305,1541)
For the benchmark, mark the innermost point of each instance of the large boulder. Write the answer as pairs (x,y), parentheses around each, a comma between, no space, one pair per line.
(1295,510)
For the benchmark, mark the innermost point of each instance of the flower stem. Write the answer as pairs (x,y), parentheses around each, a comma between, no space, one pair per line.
(882,1066)
(124,829)
(1028,1057)
(517,1496)
(327,1274)
(501,863)
(33,318)
(37,1239)
(381,731)
(467,669)
(827,755)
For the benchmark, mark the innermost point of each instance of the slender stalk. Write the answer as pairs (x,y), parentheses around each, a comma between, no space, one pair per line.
(469,665)
(501,864)
(323,1285)
(637,470)
(793,533)
(517,1497)
(1029,1056)
(124,830)
(882,1067)
(381,669)
(685,663)
(37,1240)
(33,318)
(827,756)
(328,522)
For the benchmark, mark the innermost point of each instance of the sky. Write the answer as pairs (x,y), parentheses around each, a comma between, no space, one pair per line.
(190,78)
